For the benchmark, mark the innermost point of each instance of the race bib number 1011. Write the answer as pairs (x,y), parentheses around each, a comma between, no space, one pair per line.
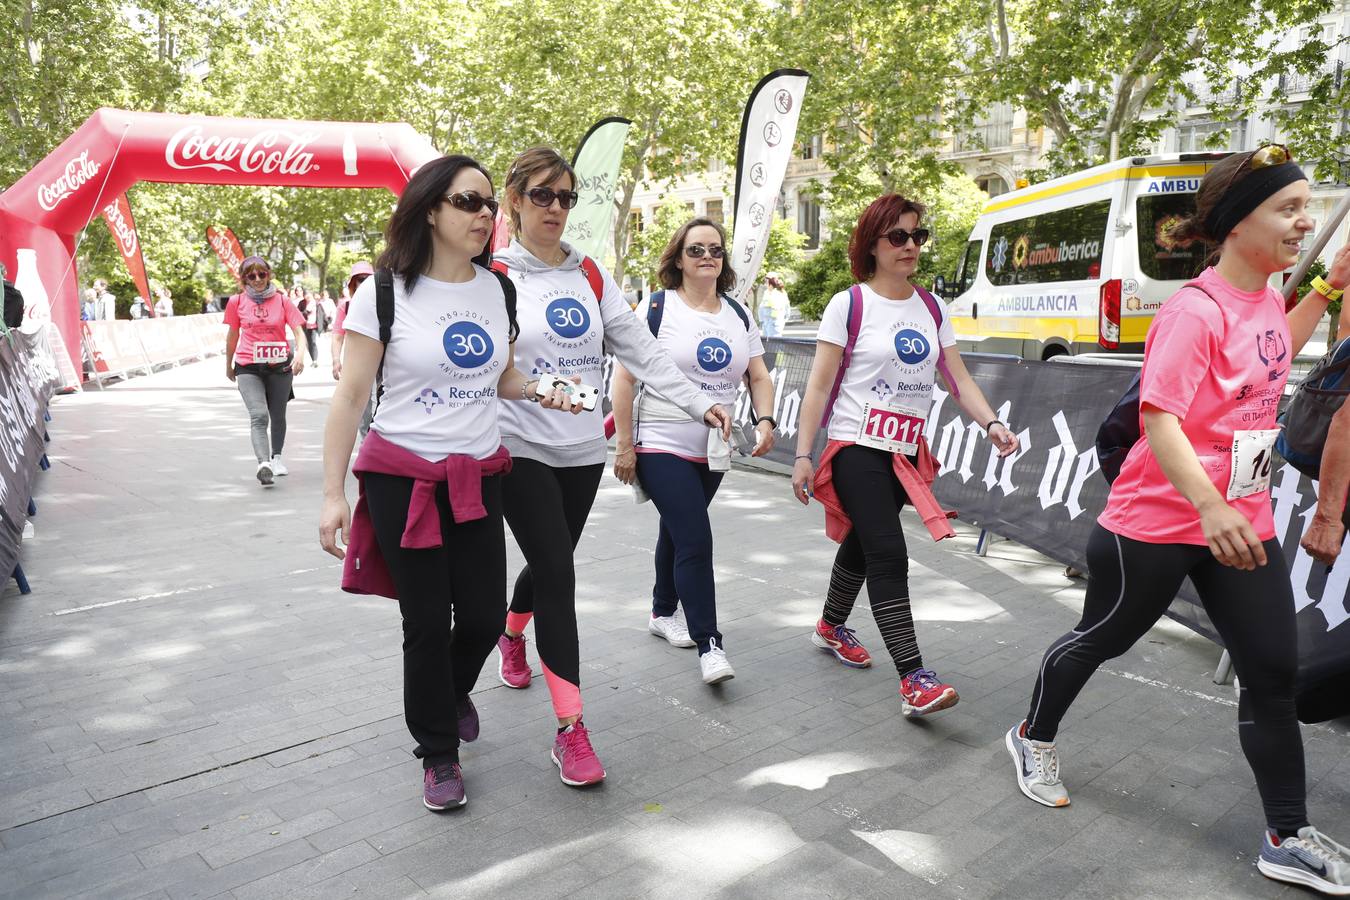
(895,429)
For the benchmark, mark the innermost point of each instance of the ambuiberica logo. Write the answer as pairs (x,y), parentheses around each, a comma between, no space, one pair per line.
(469,347)
(568,323)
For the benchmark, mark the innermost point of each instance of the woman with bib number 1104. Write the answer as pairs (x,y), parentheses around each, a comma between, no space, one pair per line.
(260,361)
(880,346)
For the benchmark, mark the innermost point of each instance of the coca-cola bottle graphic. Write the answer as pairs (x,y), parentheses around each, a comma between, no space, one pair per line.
(37,307)
(348,154)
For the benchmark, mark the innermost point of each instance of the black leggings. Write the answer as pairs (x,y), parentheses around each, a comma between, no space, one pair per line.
(1130,586)
(545,505)
(864,479)
(466,577)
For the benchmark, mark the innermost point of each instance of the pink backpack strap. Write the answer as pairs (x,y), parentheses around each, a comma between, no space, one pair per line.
(855,311)
(593,276)
(935,310)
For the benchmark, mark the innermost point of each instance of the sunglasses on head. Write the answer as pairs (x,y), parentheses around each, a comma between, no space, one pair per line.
(470,202)
(899,237)
(1262,158)
(542,196)
(696,251)
(257,274)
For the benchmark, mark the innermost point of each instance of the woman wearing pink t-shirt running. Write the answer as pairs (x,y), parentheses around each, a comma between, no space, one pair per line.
(1193,500)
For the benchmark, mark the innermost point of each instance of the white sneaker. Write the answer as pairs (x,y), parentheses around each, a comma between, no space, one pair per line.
(672,628)
(1037,766)
(1312,859)
(714,664)
(279,467)
(265,473)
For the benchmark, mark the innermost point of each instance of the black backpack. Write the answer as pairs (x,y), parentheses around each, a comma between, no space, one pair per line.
(1316,400)
(1119,431)
(656,308)
(384,313)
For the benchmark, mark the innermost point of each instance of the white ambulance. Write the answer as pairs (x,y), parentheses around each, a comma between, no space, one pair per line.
(1078,264)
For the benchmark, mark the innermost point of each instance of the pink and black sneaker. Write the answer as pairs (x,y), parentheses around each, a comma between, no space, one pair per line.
(443,787)
(922,693)
(467,715)
(576,760)
(512,668)
(839,640)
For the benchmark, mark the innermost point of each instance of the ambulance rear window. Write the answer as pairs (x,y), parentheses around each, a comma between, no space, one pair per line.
(1161,257)
(1061,245)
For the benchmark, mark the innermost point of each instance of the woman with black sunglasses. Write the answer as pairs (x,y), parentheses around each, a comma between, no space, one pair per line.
(1193,500)
(427,529)
(881,346)
(571,310)
(675,463)
(260,362)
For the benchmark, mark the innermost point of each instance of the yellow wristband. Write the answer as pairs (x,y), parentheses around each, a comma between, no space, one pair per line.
(1320,285)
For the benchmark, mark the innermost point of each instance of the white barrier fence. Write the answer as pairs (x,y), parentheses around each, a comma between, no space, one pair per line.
(118,348)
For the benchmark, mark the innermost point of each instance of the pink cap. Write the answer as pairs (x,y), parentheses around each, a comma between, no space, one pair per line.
(361,268)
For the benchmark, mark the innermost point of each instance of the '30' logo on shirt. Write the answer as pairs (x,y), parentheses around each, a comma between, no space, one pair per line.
(567,317)
(467,345)
(911,346)
(713,355)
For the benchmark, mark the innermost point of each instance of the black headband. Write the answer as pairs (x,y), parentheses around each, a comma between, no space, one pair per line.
(1247,194)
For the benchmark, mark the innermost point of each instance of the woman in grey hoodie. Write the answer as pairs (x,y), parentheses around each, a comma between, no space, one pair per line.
(570,311)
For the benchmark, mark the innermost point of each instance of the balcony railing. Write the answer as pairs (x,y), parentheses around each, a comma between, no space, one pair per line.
(983,137)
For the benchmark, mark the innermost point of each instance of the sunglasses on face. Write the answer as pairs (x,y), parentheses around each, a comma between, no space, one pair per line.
(542,196)
(257,276)
(1262,158)
(899,237)
(470,202)
(696,251)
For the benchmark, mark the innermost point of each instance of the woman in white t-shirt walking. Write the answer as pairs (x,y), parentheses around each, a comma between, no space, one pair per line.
(570,312)
(881,344)
(678,462)
(427,529)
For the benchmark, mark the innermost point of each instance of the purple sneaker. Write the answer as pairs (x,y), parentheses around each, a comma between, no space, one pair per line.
(468,721)
(443,787)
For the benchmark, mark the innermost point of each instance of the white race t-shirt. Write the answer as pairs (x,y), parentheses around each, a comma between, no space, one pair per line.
(894,361)
(447,349)
(713,350)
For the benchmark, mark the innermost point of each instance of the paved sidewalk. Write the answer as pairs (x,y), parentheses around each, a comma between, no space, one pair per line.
(189,707)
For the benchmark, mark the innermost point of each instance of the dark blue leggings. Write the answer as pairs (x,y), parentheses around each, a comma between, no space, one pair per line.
(682,491)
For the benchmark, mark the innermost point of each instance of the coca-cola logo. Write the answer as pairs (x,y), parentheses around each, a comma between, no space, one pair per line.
(121,228)
(79,171)
(271,152)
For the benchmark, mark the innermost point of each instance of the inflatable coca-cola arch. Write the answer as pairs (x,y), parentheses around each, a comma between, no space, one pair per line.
(46,208)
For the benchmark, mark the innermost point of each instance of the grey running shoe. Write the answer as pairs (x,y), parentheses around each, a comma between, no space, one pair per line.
(1312,859)
(1037,768)
(265,473)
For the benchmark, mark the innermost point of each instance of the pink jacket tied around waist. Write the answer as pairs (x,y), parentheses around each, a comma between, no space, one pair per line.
(364,570)
(915,481)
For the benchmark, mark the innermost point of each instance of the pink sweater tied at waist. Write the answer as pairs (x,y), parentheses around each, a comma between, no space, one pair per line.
(915,481)
(364,570)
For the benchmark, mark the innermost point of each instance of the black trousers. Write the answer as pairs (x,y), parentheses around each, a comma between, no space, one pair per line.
(1130,586)
(547,507)
(453,601)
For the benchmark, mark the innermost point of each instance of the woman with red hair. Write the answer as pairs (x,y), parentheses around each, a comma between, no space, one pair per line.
(881,344)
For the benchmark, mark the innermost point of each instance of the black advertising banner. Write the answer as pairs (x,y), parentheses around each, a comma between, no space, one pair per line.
(1048,495)
(27,380)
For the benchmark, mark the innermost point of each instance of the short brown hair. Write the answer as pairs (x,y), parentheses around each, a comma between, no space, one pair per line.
(668,269)
(880,215)
(527,165)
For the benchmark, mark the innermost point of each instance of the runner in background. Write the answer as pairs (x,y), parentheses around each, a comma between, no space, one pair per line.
(260,362)
(1193,500)
(359,273)
(876,459)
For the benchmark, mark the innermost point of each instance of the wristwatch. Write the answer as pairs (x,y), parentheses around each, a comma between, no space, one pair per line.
(770,419)
(1323,287)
